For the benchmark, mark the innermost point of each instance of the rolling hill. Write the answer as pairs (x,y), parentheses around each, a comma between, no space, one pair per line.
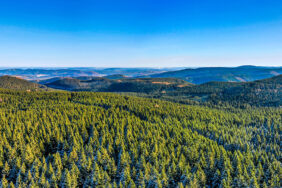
(115,76)
(222,74)
(9,82)
(192,75)
(47,73)
(75,84)
(266,92)
(142,85)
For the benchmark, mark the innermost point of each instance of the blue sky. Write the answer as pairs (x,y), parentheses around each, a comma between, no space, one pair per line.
(140,33)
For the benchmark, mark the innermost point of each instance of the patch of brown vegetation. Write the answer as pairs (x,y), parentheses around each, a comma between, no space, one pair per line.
(182,85)
(164,83)
(240,79)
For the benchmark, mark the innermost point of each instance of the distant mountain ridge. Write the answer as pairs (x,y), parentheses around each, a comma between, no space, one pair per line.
(192,75)
(222,74)
(42,73)
(48,73)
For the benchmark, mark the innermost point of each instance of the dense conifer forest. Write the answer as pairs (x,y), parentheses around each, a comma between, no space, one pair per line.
(86,139)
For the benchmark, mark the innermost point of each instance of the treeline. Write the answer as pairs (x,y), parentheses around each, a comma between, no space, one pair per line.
(64,139)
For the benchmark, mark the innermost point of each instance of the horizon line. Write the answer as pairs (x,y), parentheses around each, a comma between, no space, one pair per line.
(152,67)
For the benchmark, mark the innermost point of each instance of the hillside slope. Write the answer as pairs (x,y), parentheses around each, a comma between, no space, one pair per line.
(115,76)
(9,82)
(234,74)
(266,92)
(142,85)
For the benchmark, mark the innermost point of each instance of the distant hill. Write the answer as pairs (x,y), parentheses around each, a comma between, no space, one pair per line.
(9,82)
(135,72)
(47,73)
(147,85)
(192,75)
(37,74)
(143,85)
(115,76)
(46,81)
(222,74)
(75,84)
(266,92)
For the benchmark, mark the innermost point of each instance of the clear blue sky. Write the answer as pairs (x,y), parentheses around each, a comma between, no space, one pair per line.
(134,33)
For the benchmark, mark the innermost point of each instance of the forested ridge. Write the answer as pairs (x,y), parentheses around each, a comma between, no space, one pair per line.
(202,75)
(9,82)
(84,139)
(266,92)
(111,84)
